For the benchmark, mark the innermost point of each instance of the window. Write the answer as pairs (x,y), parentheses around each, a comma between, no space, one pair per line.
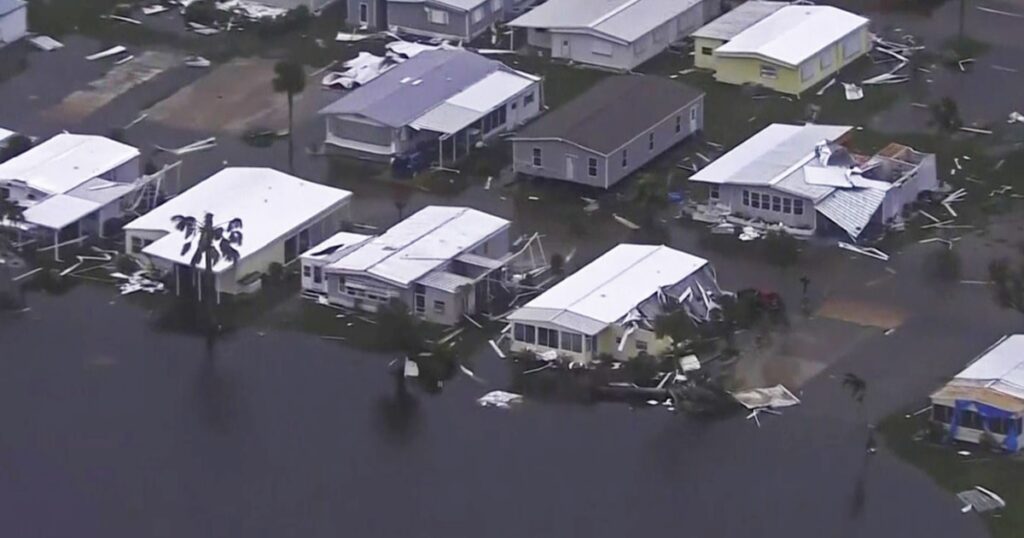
(787,205)
(625,158)
(524,333)
(420,303)
(437,16)
(477,14)
(679,123)
(826,59)
(495,6)
(707,51)
(693,114)
(650,141)
(528,98)
(769,72)
(572,342)
(746,198)
(318,274)
(807,71)
(439,307)
(776,204)
(307,271)
(364,14)
(514,104)
(592,167)
(852,46)
(942,413)
(641,346)
(602,48)
(715,194)
(547,337)
(755,200)
(5,193)
(798,207)
(538,157)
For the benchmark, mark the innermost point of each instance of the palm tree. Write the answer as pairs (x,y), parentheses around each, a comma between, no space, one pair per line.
(858,388)
(212,242)
(290,79)
(9,211)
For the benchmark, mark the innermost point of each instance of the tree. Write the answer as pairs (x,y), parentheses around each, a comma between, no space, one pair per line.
(858,388)
(289,79)
(210,243)
(9,211)
(16,145)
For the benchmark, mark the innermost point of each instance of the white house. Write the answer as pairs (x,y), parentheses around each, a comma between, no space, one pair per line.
(13,21)
(282,216)
(986,397)
(618,34)
(316,259)
(801,176)
(438,262)
(609,307)
(71,185)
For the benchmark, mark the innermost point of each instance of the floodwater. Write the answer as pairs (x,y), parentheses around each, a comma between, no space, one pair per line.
(115,427)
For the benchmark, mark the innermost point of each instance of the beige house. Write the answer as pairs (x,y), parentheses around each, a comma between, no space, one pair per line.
(609,306)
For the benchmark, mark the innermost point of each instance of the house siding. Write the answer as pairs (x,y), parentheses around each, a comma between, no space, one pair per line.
(789,80)
(702,60)
(13,26)
(555,153)
(925,178)
(732,197)
(412,18)
(376,11)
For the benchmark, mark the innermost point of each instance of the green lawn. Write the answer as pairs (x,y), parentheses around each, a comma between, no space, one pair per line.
(999,473)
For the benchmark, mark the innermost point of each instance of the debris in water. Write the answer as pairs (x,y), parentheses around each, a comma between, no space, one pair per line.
(411,368)
(871,252)
(626,222)
(980,500)
(45,43)
(112,51)
(197,61)
(500,399)
(853,92)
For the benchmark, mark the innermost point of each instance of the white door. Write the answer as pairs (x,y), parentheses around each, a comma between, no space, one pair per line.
(693,118)
(570,167)
(566,49)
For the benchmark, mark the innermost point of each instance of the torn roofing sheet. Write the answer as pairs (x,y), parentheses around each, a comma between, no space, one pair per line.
(851,209)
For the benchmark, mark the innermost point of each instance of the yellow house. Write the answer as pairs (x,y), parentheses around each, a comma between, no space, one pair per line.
(609,307)
(788,48)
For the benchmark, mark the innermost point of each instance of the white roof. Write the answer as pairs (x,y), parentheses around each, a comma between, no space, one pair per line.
(334,246)
(59,211)
(66,161)
(466,107)
(770,155)
(740,18)
(5,134)
(1001,368)
(793,34)
(625,20)
(420,244)
(270,203)
(610,287)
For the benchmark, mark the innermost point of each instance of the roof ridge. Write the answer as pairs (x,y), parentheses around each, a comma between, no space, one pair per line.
(619,9)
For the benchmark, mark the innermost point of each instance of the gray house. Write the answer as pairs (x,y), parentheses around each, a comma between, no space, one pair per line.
(438,262)
(618,34)
(448,19)
(609,131)
(801,176)
(314,5)
(441,101)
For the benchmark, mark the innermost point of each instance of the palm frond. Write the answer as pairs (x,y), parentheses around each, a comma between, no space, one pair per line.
(185,224)
(214,255)
(217,234)
(185,247)
(235,238)
(197,258)
(229,252)
(235,224)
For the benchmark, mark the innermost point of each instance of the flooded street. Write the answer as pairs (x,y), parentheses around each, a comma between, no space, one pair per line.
(114,426)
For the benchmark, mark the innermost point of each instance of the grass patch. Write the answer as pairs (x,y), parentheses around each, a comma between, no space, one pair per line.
(999,473)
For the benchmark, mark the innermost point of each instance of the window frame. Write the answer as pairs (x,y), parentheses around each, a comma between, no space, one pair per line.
(442,20)
(592,166)
(625,158)
(768,71)
(650,141)
(537,157)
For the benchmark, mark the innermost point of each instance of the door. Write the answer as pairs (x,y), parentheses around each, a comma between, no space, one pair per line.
(381,15)
(566,49)
(364,14)
(570,167)
(693,119)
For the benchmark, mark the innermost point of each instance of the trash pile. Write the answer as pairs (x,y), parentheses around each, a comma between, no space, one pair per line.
(368,66)
(500,399)
(765,400)
(138,281)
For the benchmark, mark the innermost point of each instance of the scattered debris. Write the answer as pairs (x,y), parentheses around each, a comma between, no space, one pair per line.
(626,222)
(976,130)
(1004,68)
(112,51)
(494,346)
(197,61)
(750,233)
(689,363)
(411,369)
(500,399)
(1015,117)
(124,19)
(154,9)
(45,43)
(201,145)
(871,252)
(469,373)
(853,92)
(965,61)
(827,86)
(980,500)
(138,281)
(346,37)
(1000,12)
(770,397)
(126,59)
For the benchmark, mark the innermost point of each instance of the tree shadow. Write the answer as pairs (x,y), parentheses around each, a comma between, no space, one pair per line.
(215,392)
(397,414)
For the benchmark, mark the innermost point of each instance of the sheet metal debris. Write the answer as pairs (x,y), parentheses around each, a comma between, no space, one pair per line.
(853,92)
(980,500)
(138,281)
(154,9)
(112,51)
(45,43)
(201,145)
(771,397)
(870,252)
(197,61)
(411,368)
(626,222)
(500,399)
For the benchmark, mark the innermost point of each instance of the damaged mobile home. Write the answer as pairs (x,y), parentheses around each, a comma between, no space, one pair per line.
(440,262)
(802,177)
(788,48)
(71,186)
(447,19)
(986,398)
(609,306)
(439,102)
(281,215)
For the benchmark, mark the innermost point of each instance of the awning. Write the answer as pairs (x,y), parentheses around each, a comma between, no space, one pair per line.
(466,107)
(446,118)
(59,211)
